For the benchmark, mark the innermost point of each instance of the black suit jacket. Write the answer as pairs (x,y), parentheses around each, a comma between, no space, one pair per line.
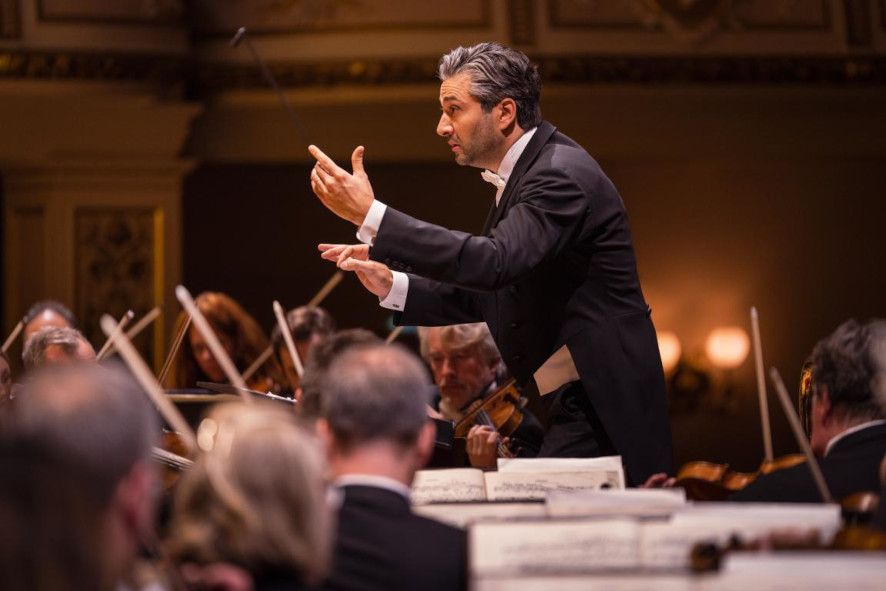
(556,266)
(853,465)
(381,545)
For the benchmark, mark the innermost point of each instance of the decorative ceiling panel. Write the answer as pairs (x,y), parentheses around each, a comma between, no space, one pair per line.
(784,14)
(212,17)
(124,12)
(10,21)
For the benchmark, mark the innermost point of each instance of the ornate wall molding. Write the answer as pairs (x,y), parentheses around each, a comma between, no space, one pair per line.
(207,78)
(10,19)
(41,65)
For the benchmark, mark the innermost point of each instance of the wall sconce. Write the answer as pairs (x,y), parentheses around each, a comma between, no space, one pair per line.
(701,382)
(670,350)
(728,347)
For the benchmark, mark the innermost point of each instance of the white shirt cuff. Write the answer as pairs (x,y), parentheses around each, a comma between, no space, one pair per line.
(368,230)
(396,299)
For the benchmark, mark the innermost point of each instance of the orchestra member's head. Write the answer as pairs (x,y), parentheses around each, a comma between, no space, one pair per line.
(309,325)
(77,488)
(239,334)
(56,345)
(373,413)
(848,380)
(464,360)
(317,366)
(5,378)
(44,314)
(487,93)
(254,501)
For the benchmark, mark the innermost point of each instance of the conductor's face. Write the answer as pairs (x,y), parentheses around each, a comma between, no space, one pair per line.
(470,132)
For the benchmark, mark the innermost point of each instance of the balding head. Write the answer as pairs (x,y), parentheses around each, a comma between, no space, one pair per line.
(375,392)
(56,345)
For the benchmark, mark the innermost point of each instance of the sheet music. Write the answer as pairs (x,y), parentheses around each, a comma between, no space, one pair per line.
(620,582)
(668,546)
(633,502)
(810,571)
(553,546)
(462,514)
(451,485)
(751,520)
(603,463)
(524,486)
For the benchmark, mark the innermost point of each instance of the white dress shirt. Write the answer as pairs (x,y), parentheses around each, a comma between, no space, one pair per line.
(396,298)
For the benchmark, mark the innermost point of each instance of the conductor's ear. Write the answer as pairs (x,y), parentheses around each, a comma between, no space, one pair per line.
(507,113)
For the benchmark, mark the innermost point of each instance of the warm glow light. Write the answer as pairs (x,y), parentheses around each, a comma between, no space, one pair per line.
(727,347)
(669,348)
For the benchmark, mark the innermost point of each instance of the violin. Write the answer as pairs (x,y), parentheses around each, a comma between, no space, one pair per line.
(499,410)
(706,481)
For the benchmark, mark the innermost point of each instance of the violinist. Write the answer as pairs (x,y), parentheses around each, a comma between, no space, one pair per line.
(466,364)
(309,325)
(848,427)
(239,334)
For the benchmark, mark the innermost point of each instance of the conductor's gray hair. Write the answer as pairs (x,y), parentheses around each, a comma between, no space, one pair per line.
(497,72)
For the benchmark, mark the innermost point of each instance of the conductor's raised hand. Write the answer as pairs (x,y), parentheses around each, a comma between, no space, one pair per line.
(347,195)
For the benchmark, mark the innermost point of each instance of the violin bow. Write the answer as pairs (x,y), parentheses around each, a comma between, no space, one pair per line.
(149,384)
(13,335)
(393,336)
(761,385)
(330,284)
(224,360)
(287,337)
(173,351)
(136,328)
(124,320)
(794,420)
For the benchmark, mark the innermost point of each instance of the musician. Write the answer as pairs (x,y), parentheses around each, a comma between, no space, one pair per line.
(77,484)
(308,325)
(466,365)
(553,274)
(239,334)
(848,426)
(44,314)
(5,379)
(323,353)
(55,345)
(377,434)
(253,505)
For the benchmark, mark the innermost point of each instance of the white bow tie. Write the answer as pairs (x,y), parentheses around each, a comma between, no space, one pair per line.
(491,177)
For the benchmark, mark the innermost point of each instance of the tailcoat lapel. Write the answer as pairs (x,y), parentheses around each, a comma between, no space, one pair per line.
(542,135)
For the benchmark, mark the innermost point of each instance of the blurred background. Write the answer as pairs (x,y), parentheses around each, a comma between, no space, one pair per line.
(139,150)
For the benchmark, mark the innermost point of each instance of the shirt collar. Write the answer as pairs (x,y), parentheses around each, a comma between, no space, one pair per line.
(373,480)
(849,432)
(513,154)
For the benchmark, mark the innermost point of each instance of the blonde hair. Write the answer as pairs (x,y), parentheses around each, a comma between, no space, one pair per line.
(255,497)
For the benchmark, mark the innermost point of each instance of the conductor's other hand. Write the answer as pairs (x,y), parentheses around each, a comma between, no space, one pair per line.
(340,252)
(374,276)
(347,195)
